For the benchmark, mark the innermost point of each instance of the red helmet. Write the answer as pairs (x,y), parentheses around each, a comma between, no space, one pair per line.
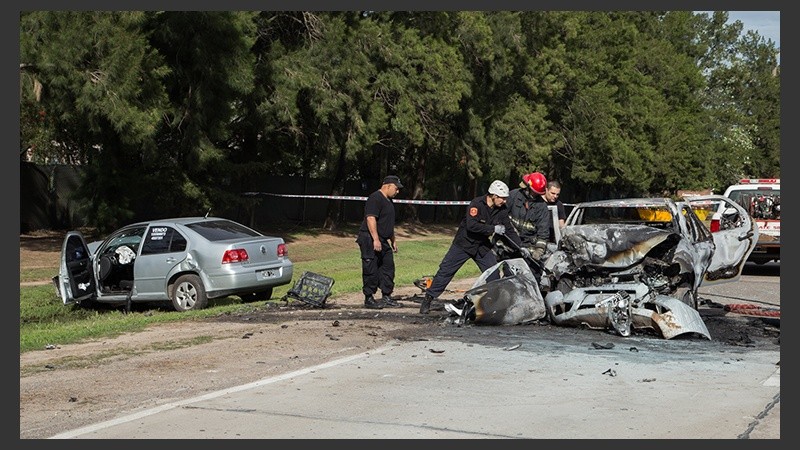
(536,181)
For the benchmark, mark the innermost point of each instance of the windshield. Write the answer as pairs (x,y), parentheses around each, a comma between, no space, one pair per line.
(130,237)
(764,203)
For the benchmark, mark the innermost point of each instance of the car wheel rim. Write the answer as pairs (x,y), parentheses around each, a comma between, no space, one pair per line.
(186,295)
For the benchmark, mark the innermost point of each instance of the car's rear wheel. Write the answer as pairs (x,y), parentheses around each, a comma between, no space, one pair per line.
(188,293)
(256,296)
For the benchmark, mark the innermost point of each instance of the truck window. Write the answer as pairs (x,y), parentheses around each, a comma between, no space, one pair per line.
(759,203)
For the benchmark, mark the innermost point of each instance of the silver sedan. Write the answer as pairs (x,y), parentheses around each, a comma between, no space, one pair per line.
(185,260)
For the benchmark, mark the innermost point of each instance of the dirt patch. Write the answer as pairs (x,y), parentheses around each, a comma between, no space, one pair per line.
(66,387)
(40,250)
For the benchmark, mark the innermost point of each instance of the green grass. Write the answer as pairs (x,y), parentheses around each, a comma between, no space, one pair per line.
(37,274)
(45,320)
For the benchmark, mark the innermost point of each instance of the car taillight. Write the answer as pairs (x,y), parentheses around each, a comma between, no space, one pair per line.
(235,255)
(714,225)
(282,250)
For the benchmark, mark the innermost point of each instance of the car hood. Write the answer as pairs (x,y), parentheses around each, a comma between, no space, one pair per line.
(92,246)
(612,246)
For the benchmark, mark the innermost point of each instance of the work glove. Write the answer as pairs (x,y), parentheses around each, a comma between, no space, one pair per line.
(525,252)
(538,251)
(499,229)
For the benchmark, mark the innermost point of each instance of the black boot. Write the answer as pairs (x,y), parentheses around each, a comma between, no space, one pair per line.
(371,303)
(389,302)
(425,306)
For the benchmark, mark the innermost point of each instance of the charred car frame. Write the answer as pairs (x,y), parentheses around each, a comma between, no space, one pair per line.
(628,264)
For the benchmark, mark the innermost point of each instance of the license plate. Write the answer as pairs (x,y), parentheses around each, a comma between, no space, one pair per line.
(269,273)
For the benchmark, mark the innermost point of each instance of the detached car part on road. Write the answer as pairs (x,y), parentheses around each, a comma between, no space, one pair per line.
(184,260)
(624,264)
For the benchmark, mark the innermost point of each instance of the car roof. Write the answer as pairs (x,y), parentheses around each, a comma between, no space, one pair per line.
(178,220)
(628,202)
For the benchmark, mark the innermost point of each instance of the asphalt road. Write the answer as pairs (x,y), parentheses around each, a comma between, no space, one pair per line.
(487,383)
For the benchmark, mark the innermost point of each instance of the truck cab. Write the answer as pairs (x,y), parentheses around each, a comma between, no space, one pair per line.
(761,198)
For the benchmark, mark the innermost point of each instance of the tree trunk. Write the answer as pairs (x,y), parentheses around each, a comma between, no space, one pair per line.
(416,184)
(337,188)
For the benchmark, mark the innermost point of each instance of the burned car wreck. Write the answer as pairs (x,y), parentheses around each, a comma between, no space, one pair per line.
(622,265)
(624,276)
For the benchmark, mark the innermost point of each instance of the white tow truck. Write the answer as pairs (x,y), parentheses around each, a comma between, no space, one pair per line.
(761,197)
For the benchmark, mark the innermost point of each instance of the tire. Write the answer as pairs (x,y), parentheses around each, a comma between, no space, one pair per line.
(256,296)
(188,293)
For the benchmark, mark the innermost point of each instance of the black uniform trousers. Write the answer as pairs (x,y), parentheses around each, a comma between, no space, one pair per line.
(455,257)
(377,268)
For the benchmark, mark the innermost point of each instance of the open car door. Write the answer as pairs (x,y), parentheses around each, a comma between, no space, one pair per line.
(75,280)
(735,235)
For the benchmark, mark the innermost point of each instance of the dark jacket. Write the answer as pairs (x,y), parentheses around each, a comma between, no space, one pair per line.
(530,216)
(477,227)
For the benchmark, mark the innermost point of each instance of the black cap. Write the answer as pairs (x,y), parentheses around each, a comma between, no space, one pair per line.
(392,179)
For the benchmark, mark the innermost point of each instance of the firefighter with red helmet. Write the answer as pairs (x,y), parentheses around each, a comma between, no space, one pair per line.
(536,181)
(529,214)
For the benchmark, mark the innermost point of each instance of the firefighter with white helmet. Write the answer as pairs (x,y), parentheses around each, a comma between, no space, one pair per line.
(487,215)
(499,189)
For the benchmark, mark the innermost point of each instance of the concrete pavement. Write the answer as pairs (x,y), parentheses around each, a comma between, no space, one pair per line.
(526,387)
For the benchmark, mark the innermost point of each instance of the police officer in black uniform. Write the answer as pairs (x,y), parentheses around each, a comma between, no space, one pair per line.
(486,215)
(377,243)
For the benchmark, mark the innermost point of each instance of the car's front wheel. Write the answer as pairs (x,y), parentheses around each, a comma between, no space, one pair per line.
(188,293)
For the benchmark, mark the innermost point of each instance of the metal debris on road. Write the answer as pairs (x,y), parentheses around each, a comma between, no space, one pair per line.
(605,346)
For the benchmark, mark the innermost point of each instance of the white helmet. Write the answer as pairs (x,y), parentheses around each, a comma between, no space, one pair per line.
(498,188)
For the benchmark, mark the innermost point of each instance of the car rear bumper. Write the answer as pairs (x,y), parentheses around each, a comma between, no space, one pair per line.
(220,285)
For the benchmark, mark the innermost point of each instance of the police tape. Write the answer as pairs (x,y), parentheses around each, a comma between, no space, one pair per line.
(350,197)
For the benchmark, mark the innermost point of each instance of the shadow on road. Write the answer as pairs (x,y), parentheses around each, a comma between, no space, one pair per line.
(770,269)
